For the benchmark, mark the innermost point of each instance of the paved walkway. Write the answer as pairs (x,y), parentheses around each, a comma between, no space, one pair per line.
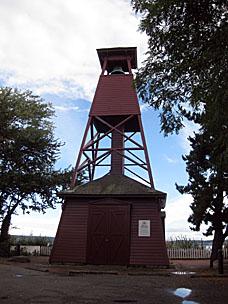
(191,264)
(22,283)
(200,267)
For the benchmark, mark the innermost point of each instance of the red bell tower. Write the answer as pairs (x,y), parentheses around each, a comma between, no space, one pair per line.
(113,219)
(114,136)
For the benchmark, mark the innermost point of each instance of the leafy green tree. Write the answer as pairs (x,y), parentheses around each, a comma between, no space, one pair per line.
(187,57)
(28,153)
(185,76)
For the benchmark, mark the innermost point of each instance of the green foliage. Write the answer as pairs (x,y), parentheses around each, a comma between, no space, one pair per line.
(185,76)
(30,240)
(187,58)
(208,182)
(181,242)
(82,177)
(207,167)
(28,153)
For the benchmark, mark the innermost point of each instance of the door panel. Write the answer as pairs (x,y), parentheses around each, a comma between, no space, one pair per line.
(97,232)
(119,235)
(108,234)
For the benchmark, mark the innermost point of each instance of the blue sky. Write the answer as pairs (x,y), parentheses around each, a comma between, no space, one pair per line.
(49,47)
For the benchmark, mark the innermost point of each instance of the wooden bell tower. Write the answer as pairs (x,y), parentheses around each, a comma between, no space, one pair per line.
(114,219)
(114,136)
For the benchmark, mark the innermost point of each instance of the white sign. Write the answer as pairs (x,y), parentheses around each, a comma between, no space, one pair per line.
(144,228)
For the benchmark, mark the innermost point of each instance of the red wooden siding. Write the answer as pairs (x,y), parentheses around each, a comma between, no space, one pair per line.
(147,250)
(115,96)
(70,240)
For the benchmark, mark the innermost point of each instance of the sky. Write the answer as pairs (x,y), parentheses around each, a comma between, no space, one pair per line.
(49,47)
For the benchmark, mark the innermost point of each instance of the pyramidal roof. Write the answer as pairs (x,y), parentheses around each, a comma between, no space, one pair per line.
(114,185)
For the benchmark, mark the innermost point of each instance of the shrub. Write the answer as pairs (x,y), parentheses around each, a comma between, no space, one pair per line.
(182,242)
(30,240)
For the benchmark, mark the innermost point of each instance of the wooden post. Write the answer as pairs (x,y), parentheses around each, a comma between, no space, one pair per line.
(80,154)
(220,262)
(18,249)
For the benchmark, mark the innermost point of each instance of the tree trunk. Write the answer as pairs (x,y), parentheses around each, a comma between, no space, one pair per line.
(4,236)
(217,244)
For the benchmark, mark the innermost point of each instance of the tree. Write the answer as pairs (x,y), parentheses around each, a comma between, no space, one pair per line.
(207,167)
(187,58)
(28,153)
(185,76)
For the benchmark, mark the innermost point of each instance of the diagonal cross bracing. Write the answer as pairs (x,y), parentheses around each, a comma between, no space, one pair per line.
(96,159)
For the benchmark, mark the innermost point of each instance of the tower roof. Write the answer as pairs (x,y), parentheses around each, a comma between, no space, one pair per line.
(115,185)
(118,56)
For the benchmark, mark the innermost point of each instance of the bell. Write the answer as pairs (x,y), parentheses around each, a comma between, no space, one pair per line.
(117,70)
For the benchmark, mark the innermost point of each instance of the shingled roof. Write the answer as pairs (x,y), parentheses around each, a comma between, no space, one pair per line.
(114,185)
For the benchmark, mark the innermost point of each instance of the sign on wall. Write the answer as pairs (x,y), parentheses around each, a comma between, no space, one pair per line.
(144,228)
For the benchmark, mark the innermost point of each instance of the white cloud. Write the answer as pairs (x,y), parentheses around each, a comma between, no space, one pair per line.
(176,222)
(49,46)
(62,108)
(188,130)
(144,107)
(36,224)
(170,160)
(181,204)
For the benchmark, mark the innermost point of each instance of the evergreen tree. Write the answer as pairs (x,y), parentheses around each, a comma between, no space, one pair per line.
(185,76)
(207,167)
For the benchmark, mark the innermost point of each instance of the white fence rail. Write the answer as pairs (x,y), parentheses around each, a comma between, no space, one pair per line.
(173,253)
(44,250)
(193,253)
